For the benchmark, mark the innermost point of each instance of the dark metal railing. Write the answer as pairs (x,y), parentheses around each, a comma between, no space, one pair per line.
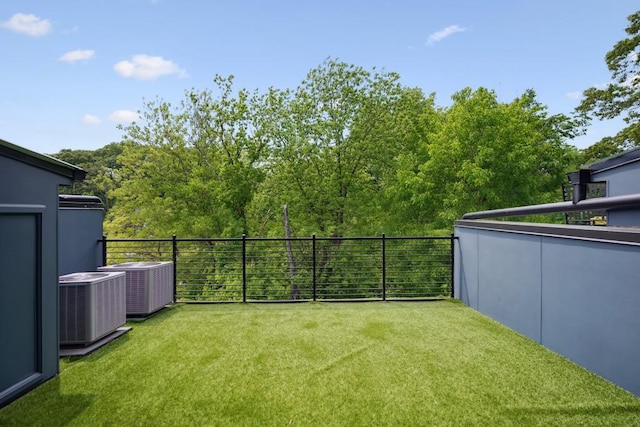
(309,269)
(601,203)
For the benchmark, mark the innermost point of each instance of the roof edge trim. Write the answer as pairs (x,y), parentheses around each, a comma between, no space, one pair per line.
(41,161)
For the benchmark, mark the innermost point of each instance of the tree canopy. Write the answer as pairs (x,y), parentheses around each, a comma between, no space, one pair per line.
(486,154)
(191,170)
(102,166)
(330,149)
(350,151)
(621,97)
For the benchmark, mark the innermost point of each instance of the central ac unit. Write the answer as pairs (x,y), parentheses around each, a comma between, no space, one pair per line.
(149,285)
(92,305)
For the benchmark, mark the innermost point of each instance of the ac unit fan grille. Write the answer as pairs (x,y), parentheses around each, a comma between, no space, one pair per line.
(89,311)
(73,313)
(149,287)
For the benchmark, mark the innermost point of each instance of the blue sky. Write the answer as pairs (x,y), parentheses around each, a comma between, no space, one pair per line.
(73,70)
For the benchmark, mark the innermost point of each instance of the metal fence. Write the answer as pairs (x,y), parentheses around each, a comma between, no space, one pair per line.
(260,269)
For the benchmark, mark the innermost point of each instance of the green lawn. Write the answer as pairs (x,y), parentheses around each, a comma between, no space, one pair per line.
(413,363)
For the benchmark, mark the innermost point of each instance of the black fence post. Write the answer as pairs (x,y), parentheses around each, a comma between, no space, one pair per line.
(384,268)
(174,258)
(104,250)
(453,247)
(313,257)
(244,268)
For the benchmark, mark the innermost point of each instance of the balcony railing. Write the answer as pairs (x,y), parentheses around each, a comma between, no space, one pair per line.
(600,203)
(297,269)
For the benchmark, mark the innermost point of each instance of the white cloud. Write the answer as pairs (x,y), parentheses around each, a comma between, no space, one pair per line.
(90,120)
(124,116)
(574,95)
(444,33)
(632,81)
(27,24)
(145,67)
(78,55)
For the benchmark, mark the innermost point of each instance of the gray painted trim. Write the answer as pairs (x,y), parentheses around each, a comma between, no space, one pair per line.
(614,161)
(4,208)
(20,388)
(41,161)
(620,235)
(75,201)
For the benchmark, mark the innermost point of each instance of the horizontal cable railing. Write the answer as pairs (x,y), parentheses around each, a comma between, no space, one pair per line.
(259,269)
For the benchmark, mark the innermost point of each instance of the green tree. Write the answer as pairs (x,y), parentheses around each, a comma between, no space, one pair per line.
(415,121)
(191,170)
(489,155)
(622,96)
(349,151)
(331,147)
(103,171)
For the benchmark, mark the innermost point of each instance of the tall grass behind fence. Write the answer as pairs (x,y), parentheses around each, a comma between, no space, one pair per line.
(209,270)
(256,269)
(419,267)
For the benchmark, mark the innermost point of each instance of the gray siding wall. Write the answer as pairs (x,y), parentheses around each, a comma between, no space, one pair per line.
(621,181)
(80,230)
(24,184)
(579,298)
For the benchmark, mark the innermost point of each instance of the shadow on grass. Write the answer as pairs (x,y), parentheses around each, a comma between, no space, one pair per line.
(152,321)
(56,409)
(158,317)
(100,352)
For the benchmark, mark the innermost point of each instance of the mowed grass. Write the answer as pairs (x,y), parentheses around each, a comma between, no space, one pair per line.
(413,363)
